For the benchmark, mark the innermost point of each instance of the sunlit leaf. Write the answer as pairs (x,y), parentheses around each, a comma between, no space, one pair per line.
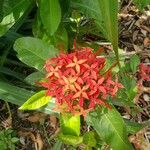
(12,11)
(70,139)
(70,124)
(36,101)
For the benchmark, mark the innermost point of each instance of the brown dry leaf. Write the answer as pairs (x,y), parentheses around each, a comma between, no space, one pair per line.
(7,123)
(37,117)
(39,141)
(53,121)
(137,48)
(36,139)
(134,37)
(139,141)
(146,42)
(27,134)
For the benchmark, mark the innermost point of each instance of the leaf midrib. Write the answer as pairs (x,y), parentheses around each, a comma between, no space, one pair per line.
(115,129)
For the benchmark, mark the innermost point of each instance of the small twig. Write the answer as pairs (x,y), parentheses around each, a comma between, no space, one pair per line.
(8,108)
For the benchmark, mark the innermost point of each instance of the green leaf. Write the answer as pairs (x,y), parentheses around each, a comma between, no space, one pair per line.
(14,140)
(34,77)
(12,11)
(14,94)
(89,139)
(111,128)
(109,11)
(105,13)
(18,96)
(133,127)
(61,38)
(36,101)
(70,125)
(50,13)
(57,145)
(34,52)
(11,73)
(130,87)
(134,62)
(141,4)
(70,139)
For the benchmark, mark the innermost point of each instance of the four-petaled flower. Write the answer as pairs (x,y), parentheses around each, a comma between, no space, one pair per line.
(76,63)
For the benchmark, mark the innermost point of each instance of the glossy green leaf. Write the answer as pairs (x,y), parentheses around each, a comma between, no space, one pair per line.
(36,101)
(50,13)
(70,125)
(12,11)
(134,62)
(111,128)
(34,52)
(105,13)
(70,139)
(141,4)
(34,77)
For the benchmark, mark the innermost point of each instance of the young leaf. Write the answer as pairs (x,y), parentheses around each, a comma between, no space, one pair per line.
(70,139)
(111,128)
(36,101)
(50,13)
(34,52)
(12,11)
(70,124)
(134,62)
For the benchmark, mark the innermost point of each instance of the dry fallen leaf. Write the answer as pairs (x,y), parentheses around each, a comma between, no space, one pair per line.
(137,48)
(35,138)
(37,117)
(146,42)
(139,141)
(7,123)
(53,121)
(39,141)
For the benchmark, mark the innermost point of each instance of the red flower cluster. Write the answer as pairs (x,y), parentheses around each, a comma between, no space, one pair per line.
(76,82)
(144,75)
(144,72)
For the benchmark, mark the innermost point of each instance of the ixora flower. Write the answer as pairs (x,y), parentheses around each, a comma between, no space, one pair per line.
(77,83)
